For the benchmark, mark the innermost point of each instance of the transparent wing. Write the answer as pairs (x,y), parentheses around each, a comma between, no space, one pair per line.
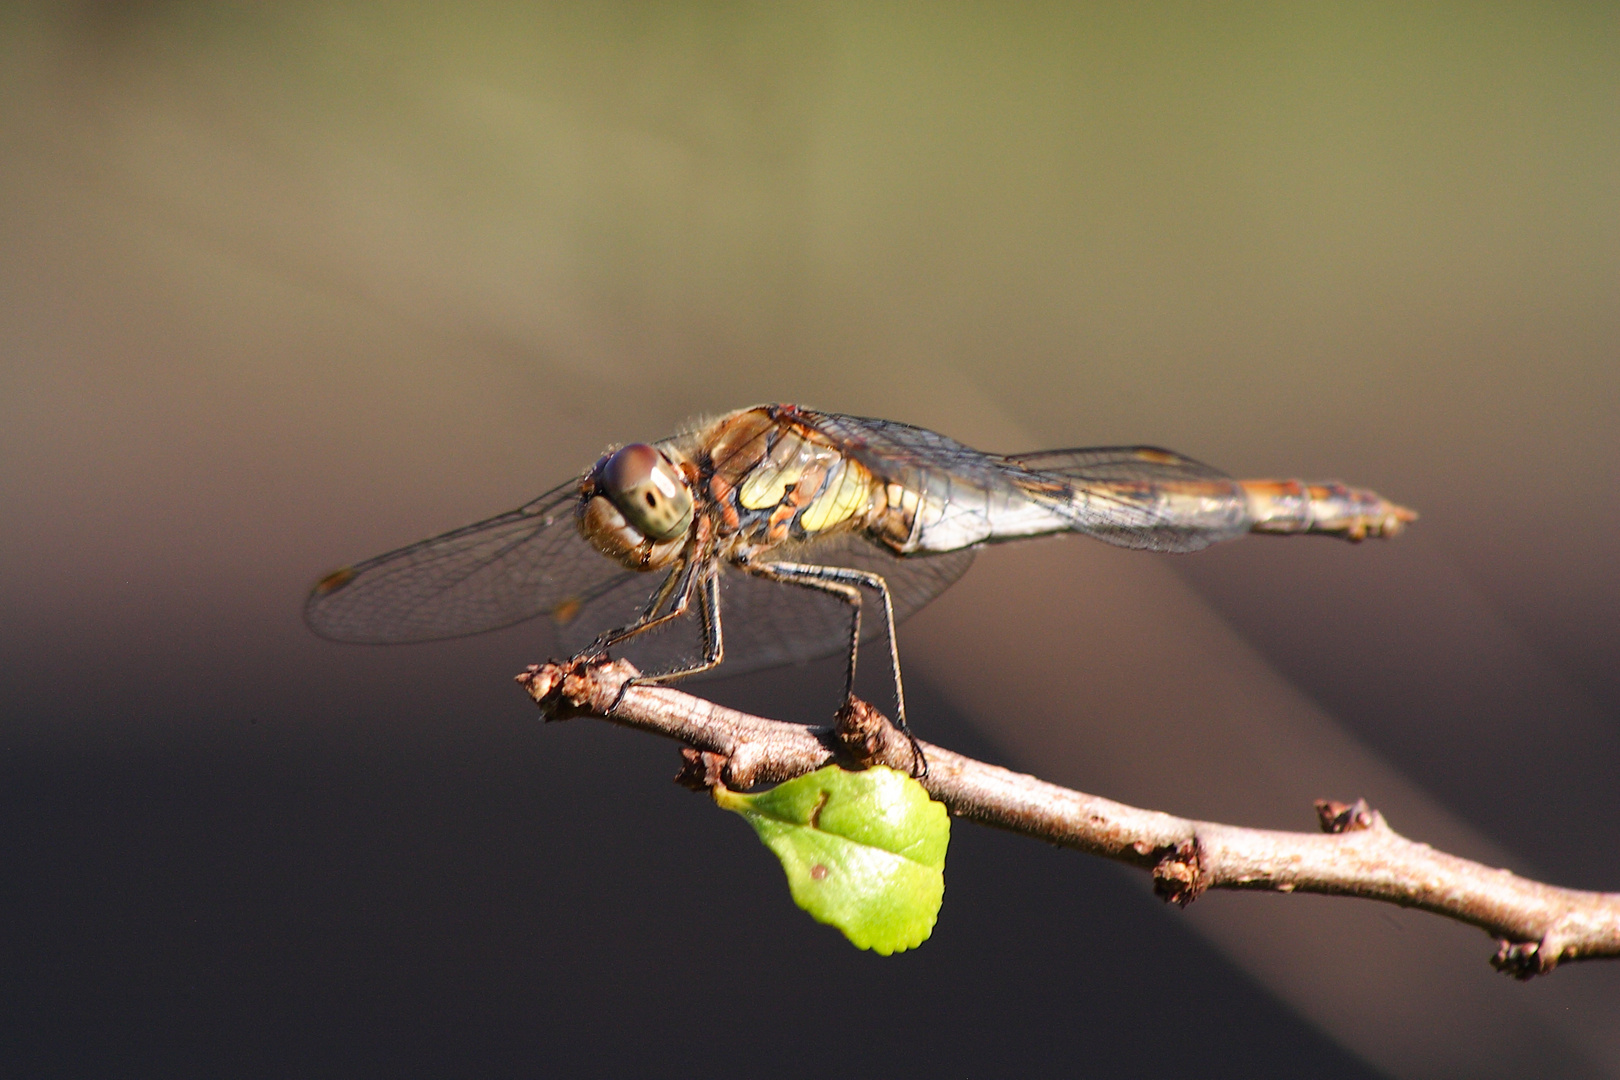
(526,562)
(1132,496)
(909,455)
(767,623)
(1111,463)
(1145,497)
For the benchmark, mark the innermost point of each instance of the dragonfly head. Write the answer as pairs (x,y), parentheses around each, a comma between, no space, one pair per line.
(637,505)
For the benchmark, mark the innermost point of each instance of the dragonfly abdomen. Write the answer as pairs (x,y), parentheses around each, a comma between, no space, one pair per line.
(942,513)
(1326,508)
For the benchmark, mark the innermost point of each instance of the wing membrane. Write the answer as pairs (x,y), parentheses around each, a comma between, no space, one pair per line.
(1129,496)
(515,566)
(908,455)
(1145,497)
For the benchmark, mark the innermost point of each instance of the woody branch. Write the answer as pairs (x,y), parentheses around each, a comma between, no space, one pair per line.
(1537,926)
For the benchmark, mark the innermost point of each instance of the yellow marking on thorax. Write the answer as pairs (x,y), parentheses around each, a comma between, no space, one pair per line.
(766,485)
(786,464)
(848,492)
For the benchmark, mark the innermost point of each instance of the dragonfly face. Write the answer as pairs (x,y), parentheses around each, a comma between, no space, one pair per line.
(636,508)
(842,508)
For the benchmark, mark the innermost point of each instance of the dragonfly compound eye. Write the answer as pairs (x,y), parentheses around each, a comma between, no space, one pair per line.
(647,491)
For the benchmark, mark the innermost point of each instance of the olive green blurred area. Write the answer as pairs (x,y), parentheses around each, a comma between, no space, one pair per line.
(288,285)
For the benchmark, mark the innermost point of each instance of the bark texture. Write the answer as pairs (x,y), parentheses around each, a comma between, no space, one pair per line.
(1537,926)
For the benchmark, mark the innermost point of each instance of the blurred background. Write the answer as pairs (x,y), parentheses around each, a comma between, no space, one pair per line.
(287,285)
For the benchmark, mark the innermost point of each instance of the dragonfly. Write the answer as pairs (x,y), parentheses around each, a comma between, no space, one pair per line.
(779,523)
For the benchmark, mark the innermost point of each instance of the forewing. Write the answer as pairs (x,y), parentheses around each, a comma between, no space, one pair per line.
(1144,497)
(906,454)
(527,562)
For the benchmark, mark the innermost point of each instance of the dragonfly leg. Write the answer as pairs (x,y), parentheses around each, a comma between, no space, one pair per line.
(844,582)
(679,580)
(714,646)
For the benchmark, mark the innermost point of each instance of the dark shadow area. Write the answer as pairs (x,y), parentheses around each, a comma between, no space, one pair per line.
(492,896)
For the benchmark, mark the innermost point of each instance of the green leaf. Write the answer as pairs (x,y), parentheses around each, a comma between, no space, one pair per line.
(864,851)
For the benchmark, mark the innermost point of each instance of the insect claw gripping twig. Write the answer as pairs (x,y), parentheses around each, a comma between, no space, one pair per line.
(564,690)
(873,739)
(619,697)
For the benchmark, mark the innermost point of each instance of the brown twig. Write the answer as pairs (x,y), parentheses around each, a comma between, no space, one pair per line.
(1537,926)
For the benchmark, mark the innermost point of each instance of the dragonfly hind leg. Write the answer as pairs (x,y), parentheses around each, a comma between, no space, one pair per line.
(844,583)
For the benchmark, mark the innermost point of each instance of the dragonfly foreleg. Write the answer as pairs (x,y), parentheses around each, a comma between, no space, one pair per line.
(678,583)
(714,646)
(844,582)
